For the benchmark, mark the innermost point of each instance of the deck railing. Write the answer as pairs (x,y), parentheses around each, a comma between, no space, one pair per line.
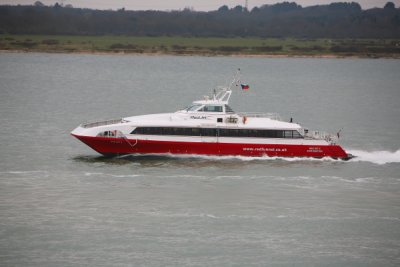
(331,138)
(101,123)
(272,116)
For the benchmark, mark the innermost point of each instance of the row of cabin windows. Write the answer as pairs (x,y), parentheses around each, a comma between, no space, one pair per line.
(213,132)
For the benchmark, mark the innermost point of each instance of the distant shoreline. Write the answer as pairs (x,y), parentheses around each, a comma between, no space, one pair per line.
(87,52)
(202,46)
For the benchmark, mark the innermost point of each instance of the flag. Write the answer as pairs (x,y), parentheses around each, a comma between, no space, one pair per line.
(245,86)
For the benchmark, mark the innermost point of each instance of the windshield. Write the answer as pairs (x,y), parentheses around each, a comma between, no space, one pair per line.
(193,107)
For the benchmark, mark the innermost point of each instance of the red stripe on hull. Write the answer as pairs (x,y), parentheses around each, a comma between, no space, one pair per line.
(119,146)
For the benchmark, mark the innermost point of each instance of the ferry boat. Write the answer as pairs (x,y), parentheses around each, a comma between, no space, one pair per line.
(209,127)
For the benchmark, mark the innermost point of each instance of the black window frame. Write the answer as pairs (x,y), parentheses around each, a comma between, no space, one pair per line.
(218,132)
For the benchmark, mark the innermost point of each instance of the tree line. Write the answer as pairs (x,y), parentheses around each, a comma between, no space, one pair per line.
(287,19)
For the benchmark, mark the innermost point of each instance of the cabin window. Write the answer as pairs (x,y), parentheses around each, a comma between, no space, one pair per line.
(228,109)
(296,134)
(279,134)
(107,134)
(208,132)
(154,130)
(194,131)
(219,119)
(288,134)
(193,107)
(114,133)
(244,133)
(210,108)
(168,131)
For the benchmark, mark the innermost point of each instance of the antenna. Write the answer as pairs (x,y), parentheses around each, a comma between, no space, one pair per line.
(236,80)
(246,5)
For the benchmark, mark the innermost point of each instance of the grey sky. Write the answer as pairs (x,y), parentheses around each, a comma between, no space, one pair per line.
(180,4)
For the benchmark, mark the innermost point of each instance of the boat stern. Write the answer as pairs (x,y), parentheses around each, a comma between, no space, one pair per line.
(349,157)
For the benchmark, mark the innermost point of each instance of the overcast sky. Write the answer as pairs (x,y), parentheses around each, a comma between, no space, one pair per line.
(200,5)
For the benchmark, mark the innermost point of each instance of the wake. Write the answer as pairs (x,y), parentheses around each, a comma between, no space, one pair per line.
(377,157)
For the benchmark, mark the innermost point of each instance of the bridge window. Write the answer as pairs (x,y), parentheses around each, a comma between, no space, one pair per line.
(210,108)
(193,107)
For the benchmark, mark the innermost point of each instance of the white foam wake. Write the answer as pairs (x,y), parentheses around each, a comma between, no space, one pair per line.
(377,157)
(241,158)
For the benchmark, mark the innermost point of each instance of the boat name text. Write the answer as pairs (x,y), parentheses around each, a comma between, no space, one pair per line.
(198,117)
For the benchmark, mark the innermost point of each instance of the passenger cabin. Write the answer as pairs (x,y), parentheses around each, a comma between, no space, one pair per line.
(221,132)
(227,122)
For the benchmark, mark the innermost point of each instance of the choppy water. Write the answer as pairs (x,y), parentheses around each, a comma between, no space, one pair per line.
(61,204)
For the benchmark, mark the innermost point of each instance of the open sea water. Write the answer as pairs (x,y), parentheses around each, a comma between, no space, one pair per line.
(62,204)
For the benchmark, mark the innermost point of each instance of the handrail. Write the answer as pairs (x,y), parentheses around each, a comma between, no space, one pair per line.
(320,135)
(272,116)
(102,123)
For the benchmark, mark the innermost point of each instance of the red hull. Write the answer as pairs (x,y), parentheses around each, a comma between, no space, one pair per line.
(119,146)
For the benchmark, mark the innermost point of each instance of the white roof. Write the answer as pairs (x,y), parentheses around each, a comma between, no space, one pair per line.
(207,119)
(210,102)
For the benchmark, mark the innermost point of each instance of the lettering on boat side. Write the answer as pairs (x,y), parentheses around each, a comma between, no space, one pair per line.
(314,149)
(198,117)
(265,149)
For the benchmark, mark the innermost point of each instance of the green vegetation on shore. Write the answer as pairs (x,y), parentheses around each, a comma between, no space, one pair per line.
(281,20)
(202,45)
